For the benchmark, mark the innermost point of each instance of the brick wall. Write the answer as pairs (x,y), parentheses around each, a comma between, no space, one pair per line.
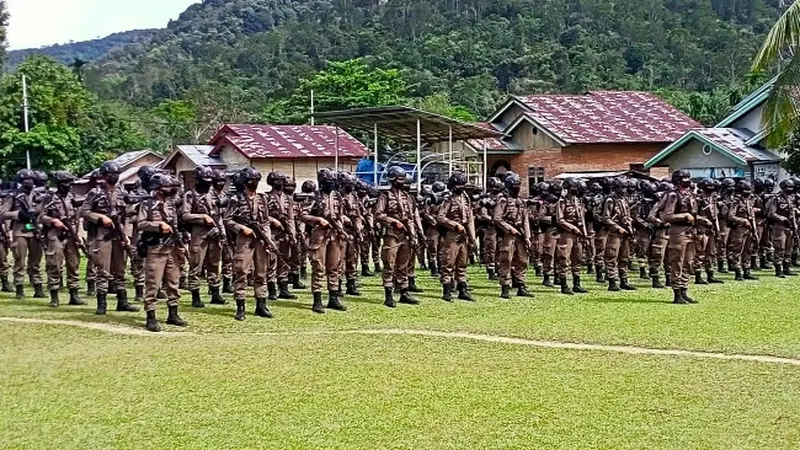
(578,158)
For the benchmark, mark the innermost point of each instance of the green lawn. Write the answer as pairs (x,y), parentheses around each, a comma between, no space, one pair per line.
(239,385)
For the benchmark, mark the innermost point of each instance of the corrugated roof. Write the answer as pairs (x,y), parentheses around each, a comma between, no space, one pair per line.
(731,142)
(127,158)
(198,155)
(608,117)
(287,141)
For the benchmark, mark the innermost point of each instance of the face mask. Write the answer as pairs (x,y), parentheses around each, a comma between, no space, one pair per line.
(685,183)
(112,178)
(514,191)
(169,192)
(252,185)
(64,189)
(27,185)
(203,186)
(746,194)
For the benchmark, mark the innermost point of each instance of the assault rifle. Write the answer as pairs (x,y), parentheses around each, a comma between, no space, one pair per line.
(259,235)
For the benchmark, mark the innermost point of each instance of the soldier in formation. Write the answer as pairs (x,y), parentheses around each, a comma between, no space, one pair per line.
(235,236)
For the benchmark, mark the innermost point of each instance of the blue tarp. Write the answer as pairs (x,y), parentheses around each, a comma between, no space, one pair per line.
(364,170)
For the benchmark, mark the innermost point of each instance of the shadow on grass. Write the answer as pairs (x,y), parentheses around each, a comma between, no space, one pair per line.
(667,299)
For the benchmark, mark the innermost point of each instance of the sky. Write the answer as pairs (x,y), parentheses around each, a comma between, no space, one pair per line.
(36,23)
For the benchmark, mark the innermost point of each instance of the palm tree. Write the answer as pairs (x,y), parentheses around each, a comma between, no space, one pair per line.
(782,109)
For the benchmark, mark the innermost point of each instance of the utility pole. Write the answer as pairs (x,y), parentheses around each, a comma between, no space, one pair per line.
(25,114)
(312,107)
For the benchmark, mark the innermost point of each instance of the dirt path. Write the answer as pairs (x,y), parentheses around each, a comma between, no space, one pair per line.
(631,350)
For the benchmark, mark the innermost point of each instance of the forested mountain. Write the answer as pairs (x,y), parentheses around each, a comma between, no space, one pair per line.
(86,51)
(476,51)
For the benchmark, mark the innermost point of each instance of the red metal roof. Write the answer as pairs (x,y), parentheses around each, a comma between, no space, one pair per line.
(287,141)
(608,117)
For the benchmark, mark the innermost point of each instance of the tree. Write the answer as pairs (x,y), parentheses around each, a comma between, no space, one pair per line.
(781,111)
(3,31)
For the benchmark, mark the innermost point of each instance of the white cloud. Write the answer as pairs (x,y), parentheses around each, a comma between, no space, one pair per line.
(35,23)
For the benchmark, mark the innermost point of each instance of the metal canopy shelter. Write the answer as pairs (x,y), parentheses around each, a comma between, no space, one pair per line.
(407,125)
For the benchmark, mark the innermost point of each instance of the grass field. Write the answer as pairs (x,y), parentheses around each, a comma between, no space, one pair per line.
(298,381)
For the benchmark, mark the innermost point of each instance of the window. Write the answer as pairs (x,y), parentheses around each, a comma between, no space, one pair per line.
(535,175)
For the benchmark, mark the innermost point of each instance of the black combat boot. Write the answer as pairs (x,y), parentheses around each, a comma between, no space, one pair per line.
(677,297)
(283,291)
(492,274)
(626,286)
(590,269)
(576,285)
(6,287)
(537,270)
(522,290)
(463,292)
(90,288)
(152,323)
(182,283)
(447,292)
(412,285)
(668,278)
(643,273)
(794,260)
(352,289)
(612,286)
(122,302)
(749,276)
(75,298)
(565,289)
(174,319)
(216,297)
(407,299)
(378,268)
(754,263)
(698,278)
(365,272)
(686,297)
(138,294)
(317,307)
(101,304)
(434,269)
(505,292)
(54,301)
(657,282)
(196,301)
(779,271)
(239,310)
(227,286)
(721,266)
(303,272)
(296,283)
(20,292)
(38,291)
(711,278)
(600,276)
(272,291)
(737,275)
(546,281)
(764,261)
(388,294)
(334,301)
(261,309)
(514,281)
(787,271)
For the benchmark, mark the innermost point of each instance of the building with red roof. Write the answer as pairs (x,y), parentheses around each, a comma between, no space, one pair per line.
(299,151)
(550,135)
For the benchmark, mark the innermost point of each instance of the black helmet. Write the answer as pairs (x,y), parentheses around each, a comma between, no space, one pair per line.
(145,173)
(346,180)
(647,188)
(595,188)
(787,185)
(543,188)
(457,180)
(39,178)
(758,185)
(619,183)
(308,187)
(289,185)
(220,175)
(728,183)
(276,179)
(396,175)
(744,186)
(439,187)
(62,177)
(326,179)
(769,184)
(633,185)
(572,184)
(250,173)
(160,180)
(494,184)
(666,186)
(513,183)
(679,175)
(109,167)
(204,173)
(25,174)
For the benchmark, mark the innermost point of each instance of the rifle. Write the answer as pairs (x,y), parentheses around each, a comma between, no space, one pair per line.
(259,235)
(175,238)
(218,232)
(69,229)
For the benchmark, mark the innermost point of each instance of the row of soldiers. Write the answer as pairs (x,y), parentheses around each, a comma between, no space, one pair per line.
(233,238)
